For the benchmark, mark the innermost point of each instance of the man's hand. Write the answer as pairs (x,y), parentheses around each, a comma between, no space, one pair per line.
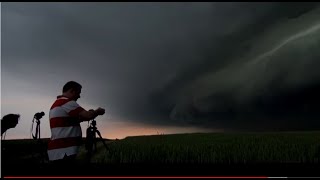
(90,114)
(100,111)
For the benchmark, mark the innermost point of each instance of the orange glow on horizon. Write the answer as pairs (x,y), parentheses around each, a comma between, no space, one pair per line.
(120,130)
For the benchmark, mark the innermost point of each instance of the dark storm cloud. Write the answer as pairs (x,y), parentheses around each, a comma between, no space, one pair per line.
(273,89)
(171,63)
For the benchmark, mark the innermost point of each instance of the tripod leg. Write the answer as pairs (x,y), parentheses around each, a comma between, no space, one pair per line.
(101,139)
(95,142)
(89,146)
(39,130)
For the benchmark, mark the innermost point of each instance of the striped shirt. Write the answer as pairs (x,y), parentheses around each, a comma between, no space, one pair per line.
(66,133)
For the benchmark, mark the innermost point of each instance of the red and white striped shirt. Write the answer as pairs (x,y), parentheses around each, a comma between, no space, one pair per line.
(66,134)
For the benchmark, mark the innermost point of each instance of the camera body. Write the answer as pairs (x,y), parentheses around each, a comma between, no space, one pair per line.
(39,115)
(93,123)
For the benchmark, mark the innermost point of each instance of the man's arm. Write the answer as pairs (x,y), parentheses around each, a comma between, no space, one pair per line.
(91,114)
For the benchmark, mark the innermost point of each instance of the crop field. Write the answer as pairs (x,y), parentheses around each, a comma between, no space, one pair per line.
(200,148)
(214,148)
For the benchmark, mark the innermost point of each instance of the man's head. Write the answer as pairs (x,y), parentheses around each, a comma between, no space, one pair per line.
(72,90)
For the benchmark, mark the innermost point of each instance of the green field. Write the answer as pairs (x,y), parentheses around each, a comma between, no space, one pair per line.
(203,148)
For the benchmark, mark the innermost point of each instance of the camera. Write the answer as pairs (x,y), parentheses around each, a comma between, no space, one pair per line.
(93,123)
(39,115)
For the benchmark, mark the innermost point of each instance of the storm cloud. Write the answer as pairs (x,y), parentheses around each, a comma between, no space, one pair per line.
(236,66)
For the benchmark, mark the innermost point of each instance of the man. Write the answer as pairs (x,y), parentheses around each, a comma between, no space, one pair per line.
(65,117)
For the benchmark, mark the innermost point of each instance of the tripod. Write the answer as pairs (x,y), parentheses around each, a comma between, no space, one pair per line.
(37,117)
(40,152)
(91,139)
(37,135)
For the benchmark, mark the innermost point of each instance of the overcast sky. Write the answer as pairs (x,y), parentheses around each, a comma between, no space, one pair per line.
(165,67)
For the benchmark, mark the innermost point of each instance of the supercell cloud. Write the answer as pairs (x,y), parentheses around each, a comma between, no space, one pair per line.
(234,66)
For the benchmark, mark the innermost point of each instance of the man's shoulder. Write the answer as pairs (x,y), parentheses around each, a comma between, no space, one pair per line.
(62,101)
